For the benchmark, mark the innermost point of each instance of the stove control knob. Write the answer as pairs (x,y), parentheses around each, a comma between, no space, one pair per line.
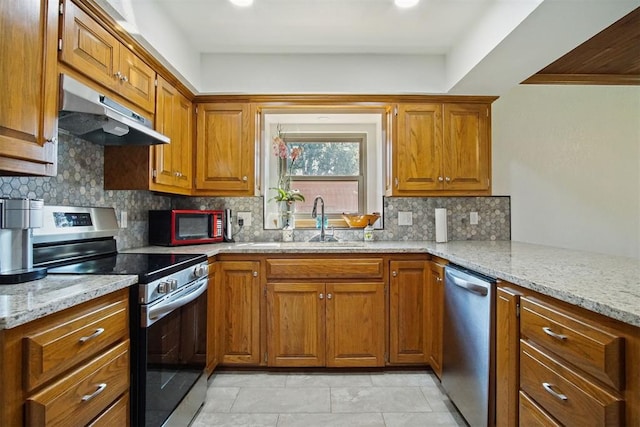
(173,284)
(163,288)
(200,270)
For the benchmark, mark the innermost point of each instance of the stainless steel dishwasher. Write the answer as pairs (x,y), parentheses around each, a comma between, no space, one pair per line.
(468,347)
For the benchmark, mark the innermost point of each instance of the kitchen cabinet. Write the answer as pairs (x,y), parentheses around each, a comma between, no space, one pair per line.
(557,364)
(29,81)
(441,149)
(90,49)
(436,314)
(325,312)
(239,287)
(71,367)
(409,321)
(164,168)
(225,150)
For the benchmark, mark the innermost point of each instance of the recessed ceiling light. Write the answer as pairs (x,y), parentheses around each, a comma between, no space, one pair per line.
(406,3)
(242,3)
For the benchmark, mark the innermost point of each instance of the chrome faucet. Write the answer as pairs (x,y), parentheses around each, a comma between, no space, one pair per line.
(314,214)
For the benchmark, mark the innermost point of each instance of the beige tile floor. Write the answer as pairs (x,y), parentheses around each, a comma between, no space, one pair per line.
(276,399)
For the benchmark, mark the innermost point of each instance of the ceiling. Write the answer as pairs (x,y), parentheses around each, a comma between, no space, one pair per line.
(370,46)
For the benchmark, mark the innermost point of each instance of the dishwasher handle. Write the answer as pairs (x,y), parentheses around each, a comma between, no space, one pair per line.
(469,286)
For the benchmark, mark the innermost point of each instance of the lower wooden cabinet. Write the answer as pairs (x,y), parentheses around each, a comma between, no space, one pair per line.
(68,368)
(409,320)
(239,288)
(213,320)
(325,324)
(436,315)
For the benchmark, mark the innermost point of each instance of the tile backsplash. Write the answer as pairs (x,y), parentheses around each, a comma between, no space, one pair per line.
(80,182)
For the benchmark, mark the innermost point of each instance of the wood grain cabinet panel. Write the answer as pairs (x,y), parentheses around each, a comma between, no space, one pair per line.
(563,393)
(213,319)
(578,341)
(50,352)
(29,81)
(225,150)
(240,293)
(409,321)
(115,415)
(436,315)
(532,415)
(329,268)
(92,50)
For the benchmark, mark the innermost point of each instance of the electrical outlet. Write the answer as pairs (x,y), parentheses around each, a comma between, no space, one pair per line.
(246,217)
(123,219)
(473,218)
(405,218)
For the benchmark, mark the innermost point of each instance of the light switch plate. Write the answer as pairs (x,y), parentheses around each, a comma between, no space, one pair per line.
(246,216)
(473,218)
(405,218)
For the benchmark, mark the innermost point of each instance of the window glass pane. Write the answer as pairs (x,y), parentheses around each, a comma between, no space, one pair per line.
(338,196)
(326,158)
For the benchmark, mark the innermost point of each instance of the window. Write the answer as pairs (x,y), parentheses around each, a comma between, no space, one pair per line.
(333,166)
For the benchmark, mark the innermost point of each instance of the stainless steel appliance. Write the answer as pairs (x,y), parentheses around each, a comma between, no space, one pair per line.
(97,118)
(468,347)
(185,227)
(18,219)
(168,309)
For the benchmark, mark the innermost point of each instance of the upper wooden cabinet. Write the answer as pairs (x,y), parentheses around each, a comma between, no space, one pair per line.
(441,149)
(172,163)
(166,167)
(90,49)
(28,105)
(225,150)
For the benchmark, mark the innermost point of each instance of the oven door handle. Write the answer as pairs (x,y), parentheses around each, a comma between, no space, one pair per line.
(156,313)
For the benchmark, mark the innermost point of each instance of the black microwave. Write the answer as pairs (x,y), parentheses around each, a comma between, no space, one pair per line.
(185,227)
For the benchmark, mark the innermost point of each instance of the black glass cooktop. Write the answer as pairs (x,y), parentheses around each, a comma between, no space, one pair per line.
(148,267)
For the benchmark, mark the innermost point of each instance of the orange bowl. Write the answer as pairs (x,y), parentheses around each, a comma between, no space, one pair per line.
(360,221)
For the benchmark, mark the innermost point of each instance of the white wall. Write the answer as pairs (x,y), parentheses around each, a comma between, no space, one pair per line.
(569,156)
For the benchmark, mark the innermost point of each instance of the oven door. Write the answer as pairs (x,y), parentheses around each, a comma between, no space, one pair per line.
(171,357)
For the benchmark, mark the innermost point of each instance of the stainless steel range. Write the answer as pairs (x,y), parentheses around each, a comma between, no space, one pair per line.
(168,309)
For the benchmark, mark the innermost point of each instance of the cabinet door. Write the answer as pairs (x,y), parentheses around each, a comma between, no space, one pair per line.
(88,47)
(507,357)
(183,158)
(418,149)
(355,324)
(136,80)
(225,149)
(164,168)
(213,321)
(240,291)
(436,313)
(29,81)
(409,321)
(296,324)
(467,153)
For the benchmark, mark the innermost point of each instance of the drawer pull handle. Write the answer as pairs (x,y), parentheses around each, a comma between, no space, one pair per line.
(547,330)
(98,332)
(554,393)
(99,390)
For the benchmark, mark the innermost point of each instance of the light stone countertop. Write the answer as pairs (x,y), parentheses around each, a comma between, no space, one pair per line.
(29,301)
(605,284)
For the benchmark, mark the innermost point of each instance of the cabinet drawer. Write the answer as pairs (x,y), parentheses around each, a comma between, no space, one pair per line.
(115,415)
(329,268)
(568,397)
(531,415)
(52,351)
(83,394)
(581,343)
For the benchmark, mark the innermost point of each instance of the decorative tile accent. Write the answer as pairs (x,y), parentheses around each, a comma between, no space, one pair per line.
(80,182)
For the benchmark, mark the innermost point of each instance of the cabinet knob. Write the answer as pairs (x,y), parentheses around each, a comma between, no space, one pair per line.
(321,296)
(438,279)
(53,140)
(124,79)
(244,178)
(447,179)
(255,274)
(118,75)
(329,296)
(440,179)
(394,273)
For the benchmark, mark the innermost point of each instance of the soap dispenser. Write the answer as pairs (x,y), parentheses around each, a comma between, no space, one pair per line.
(368,232)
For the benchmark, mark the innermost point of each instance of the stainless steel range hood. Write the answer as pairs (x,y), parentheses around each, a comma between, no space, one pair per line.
(99,119)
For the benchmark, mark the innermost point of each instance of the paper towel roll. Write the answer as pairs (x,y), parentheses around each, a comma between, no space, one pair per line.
(441,225)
